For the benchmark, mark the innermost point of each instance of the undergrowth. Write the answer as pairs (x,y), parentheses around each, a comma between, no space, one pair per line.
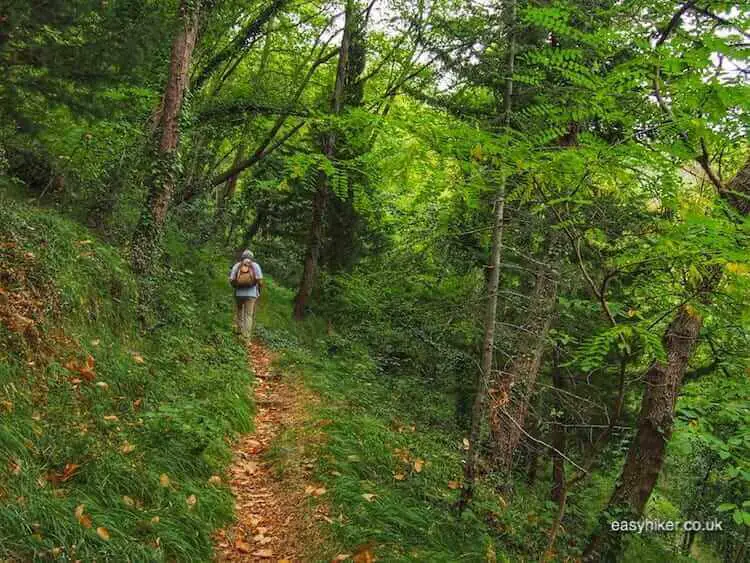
(392,462)
(111,434)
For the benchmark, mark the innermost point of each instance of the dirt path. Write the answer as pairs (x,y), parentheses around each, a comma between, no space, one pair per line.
(271,513)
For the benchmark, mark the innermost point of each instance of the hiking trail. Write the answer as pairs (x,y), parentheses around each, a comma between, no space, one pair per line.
(272,522)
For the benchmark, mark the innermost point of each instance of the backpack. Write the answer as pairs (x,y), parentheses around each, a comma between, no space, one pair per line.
(246,275)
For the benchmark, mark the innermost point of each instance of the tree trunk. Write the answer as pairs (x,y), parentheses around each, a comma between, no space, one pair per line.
(146,239)
(320,199)
(737,194)
(488,352)
(484,380)
(558,433)
(647,450)
(343,245)
(511,397)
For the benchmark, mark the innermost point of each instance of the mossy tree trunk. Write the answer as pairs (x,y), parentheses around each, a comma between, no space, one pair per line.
(163,175)
(322,190)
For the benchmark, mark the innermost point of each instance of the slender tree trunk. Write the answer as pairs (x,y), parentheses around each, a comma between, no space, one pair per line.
(320,198)
(342,247)
(511,397)
(488,351)
(645,457)
(484,380)
(697,503)
(225,193)
(146,239)
(558,433)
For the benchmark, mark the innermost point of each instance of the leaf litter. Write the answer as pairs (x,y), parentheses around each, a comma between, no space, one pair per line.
(273,522)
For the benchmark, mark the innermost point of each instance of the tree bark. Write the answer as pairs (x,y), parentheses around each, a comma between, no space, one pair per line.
(163,179)
(645,457)
(484,379)
(320,198)
(510,399)
(558,433)
(343,245)
(488,351)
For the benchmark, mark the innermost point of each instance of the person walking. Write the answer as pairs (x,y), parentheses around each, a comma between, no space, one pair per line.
(247,279)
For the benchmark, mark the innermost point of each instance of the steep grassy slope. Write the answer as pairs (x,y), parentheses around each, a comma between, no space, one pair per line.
(111,439)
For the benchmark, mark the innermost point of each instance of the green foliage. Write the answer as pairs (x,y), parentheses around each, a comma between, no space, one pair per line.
(175,395)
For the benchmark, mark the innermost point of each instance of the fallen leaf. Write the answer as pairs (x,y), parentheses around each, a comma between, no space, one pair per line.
(214,480)
(319,491)
(191,500)
(87,371)
(85,521)
(365,556)
(79,510)
(111,418)
(137,358)
(402,454)
(128,501)
(155,520)
(69,471)
(466,443)
(418,465)
(96,342)
(242,546)
(341,557)
(454,485)
(15,466)
(265,553)
(164,480)
(137,403)
(369,497)
(127,447)
(102,385)
(399,476)
(103,533)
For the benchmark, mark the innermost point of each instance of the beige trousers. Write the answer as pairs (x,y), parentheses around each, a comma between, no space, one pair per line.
(244,315)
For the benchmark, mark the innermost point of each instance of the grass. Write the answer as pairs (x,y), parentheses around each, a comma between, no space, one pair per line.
(132,445)
(385,436)
(118,467)
(392,454)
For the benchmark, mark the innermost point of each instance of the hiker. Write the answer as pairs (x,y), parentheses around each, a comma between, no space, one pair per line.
(247,279)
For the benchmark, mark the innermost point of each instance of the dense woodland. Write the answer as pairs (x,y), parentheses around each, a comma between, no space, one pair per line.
(517,229)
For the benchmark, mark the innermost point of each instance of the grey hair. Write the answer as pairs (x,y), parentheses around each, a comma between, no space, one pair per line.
(247,254)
